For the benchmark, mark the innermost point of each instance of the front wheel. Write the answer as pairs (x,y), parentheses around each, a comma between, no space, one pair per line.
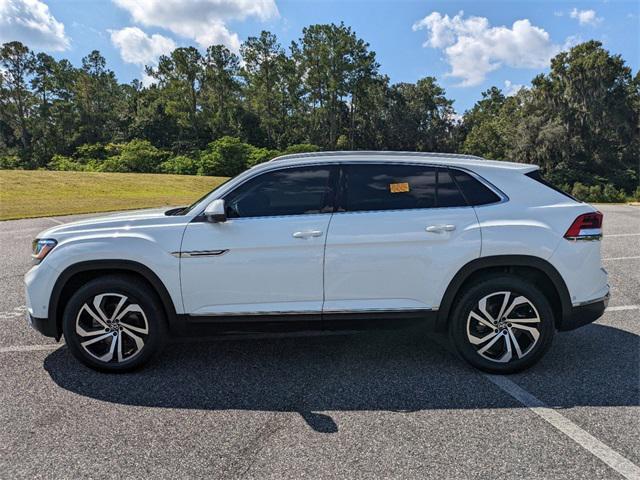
(502,325)
(114,324)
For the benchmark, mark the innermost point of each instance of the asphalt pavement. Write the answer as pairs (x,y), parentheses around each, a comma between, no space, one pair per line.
(378,405)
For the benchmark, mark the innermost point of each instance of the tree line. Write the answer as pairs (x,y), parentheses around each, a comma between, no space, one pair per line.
(214,112)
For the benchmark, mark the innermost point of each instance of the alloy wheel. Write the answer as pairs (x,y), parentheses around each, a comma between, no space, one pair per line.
(503,327)
(111,328)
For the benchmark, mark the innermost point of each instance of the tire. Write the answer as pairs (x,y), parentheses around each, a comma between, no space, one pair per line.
(518,338)
(124,314)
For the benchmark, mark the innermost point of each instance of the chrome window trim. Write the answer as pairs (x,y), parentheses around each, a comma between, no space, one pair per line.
(276,166)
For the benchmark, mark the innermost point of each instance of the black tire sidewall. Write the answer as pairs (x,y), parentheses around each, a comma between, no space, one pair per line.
(469,299)
(137,293)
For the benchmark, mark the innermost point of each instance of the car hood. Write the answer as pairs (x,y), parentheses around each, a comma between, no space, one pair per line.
(125,221)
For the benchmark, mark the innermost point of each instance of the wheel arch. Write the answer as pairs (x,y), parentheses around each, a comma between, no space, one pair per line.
(77,274)
(533,268)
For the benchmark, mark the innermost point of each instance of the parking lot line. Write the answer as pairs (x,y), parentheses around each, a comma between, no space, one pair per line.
(620,464)
(30,348)
(622,307)
(620,258)
(621,235)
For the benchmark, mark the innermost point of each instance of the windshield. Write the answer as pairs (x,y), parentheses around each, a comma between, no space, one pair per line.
(188,209)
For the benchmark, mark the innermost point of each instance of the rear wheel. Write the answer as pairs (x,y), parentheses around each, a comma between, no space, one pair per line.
(114,324)
(502,325)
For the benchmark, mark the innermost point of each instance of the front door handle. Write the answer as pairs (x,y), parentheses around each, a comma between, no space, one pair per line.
(440,228)
(307,234)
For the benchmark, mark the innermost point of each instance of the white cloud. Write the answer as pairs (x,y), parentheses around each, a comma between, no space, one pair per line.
(204,21)
(512,88)
(31,22)
(137,47)
(473,48)
(585,17)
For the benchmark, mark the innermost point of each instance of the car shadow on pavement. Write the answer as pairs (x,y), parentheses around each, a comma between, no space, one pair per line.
(400,371)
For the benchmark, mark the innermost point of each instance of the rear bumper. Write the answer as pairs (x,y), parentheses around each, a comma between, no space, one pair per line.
(582,315)
(44,326)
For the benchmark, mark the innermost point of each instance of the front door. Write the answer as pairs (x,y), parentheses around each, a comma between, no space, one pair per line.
(267,258)
(400,234)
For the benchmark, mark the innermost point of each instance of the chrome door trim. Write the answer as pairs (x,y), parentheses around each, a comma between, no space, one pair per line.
(199,253)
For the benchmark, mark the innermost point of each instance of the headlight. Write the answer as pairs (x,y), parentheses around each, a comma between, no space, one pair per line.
(41,248)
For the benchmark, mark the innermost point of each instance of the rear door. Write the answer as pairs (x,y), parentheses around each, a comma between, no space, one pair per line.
(267,258)
(400,234)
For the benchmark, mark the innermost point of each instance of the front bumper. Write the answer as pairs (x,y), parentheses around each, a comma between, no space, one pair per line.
(582,315)
(44,326)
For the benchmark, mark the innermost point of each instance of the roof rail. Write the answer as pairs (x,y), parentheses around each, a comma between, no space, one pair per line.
(294,156)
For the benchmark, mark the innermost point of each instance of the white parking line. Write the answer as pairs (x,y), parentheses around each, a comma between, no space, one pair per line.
(15,313)
(620,464)
(622,307)
(55,221)
(30,348)
(621,235)
(621,258)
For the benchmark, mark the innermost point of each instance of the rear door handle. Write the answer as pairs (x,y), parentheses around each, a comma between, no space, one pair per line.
(307,234)
(440,228)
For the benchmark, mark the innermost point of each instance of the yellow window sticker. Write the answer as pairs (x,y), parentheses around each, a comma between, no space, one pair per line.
(399,187)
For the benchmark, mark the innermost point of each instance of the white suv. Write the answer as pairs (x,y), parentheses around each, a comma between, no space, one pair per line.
(485,249)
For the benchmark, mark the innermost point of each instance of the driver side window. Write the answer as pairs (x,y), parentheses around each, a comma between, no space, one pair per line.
(289,191)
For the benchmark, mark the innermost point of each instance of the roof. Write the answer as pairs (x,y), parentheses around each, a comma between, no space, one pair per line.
(382,156)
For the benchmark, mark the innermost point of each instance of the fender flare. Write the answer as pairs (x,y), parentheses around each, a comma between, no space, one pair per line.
(120,265)
(503,261)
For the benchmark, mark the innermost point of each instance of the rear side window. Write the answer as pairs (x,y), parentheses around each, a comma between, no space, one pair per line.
(290,191)
(448,194)
(370,187)
(474,191)
(537,176)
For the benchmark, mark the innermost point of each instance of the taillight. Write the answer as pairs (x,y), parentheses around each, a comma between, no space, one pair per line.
(587,226)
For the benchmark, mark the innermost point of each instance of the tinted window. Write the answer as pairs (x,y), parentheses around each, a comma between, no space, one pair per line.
(398,187)
(388,187)
(448,194)
(474,191)
(537,176)
(290,191)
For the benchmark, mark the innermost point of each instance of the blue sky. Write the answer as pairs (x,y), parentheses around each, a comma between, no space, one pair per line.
(502,43)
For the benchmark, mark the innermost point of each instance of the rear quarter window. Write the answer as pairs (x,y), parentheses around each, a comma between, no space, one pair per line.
(474,191)
(537,176)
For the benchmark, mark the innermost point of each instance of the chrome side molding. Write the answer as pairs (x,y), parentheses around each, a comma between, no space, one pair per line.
(200,253)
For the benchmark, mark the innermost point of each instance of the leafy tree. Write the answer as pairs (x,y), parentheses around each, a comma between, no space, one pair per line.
(334,64)
(218,113)
(220,91)
(301,148)
(263,71)
(180,165)
(260,155)
(137,156)
(17,65)
(226,157)
(420,117)
(581,120)
(96,96)
(179,78)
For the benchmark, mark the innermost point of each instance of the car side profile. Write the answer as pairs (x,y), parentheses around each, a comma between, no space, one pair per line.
(486,250)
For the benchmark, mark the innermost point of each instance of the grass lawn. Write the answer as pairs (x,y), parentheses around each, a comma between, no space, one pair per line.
(39,193)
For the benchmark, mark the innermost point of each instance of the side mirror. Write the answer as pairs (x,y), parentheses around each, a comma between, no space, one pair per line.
(215,211)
